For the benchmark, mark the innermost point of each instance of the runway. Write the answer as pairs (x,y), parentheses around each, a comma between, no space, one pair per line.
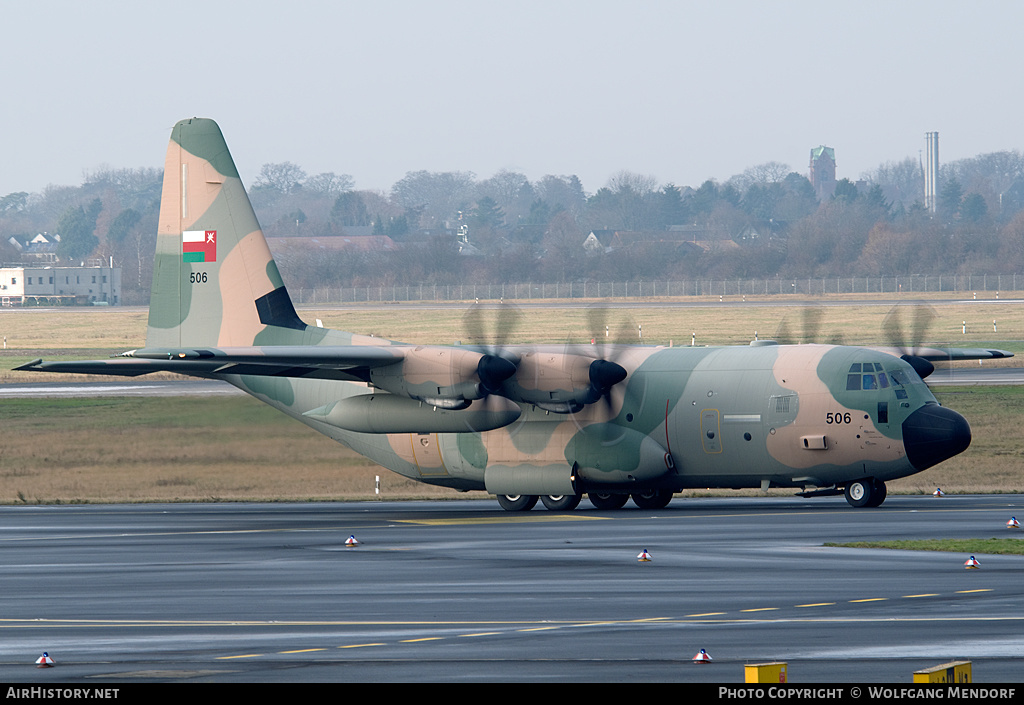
(460,591)
(119,388)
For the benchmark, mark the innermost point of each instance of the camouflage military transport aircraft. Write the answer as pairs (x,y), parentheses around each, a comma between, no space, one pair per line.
(524,422)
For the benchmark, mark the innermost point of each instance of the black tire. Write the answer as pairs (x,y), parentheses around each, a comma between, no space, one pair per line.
(561,503)
(652,499)
(602,500)
(860,493)
(878,492)
(517,502)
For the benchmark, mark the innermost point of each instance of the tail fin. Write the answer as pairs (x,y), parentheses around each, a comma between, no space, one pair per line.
(215,282)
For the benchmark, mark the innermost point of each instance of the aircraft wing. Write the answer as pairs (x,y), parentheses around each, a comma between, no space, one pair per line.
(348,362)
(947,354)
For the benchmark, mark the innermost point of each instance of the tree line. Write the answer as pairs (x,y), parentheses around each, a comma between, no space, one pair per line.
(452,227)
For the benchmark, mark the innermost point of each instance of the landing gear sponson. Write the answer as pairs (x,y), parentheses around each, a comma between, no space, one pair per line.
(867,492)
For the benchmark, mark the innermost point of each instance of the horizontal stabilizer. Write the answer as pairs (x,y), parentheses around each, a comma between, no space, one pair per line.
(121,368)
(348,362)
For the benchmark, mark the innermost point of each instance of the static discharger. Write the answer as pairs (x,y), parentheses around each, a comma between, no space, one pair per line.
(971,563)
(702,656)
(45,661)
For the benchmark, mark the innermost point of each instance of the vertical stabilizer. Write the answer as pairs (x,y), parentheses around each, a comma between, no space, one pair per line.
(215,282)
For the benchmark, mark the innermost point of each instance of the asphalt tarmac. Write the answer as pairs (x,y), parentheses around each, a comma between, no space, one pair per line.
(461,591)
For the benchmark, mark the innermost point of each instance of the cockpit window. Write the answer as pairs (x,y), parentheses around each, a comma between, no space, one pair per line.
(869,376)
(899,377)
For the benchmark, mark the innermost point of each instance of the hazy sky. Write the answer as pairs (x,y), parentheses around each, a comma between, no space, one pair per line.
(681,91)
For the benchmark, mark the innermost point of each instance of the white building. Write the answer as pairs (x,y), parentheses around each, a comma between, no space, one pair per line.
(60,285)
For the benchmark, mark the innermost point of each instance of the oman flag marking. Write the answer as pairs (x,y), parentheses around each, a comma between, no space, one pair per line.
(199,246)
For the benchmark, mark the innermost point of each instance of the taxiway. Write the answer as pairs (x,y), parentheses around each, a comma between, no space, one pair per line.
(461,591)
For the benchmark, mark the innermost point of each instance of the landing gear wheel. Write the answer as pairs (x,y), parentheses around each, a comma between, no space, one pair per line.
(878,493)
(602,500)
(652,499)
(517,502)
(561,503)
(865,493)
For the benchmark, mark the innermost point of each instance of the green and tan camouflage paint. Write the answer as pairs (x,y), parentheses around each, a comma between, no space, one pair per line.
(746,416)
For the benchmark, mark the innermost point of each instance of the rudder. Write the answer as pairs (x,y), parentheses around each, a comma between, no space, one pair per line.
(215,282)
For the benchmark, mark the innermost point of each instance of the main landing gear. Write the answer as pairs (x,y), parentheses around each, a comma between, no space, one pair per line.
(517,502)
(648,499)
(868,492)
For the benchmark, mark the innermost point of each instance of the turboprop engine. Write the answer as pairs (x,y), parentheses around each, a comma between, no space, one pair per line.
(561,382)
(448,378)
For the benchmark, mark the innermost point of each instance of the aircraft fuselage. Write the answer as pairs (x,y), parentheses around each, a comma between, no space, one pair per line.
(760,416)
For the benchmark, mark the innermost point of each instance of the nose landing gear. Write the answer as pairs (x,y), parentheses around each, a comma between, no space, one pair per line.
(868,492)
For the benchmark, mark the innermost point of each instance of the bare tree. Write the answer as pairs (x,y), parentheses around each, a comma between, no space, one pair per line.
(760,175)
(284,177)
(506,188)
(329,184)
(640,184)
(902,182)
(438,194)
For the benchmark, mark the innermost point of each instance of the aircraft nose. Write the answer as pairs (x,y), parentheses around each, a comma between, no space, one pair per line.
(934,433)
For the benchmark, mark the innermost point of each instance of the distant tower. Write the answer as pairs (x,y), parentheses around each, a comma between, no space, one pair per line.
(931,171)
(823,171)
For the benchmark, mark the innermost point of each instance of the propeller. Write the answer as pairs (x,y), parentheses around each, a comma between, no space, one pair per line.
(811,325)
(505,324)
(497,364)
(606,372)
(905,327)
(564,382)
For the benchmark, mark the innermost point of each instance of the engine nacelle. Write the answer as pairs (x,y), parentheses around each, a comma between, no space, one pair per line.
(445,377)
(561,382)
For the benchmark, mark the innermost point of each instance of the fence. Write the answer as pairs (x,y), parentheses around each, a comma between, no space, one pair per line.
(991,284)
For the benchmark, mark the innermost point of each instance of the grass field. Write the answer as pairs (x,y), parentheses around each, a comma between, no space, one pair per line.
(178,448)
(233,448)
(115,329)
(1009,546)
